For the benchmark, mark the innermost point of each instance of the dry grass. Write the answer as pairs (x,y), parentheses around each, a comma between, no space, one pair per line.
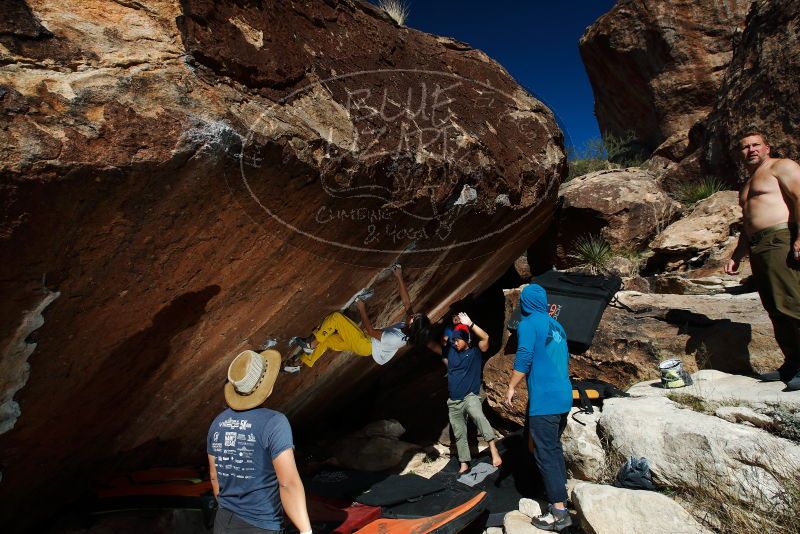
(749,513)
(722,513)
(397,9)
(787,424)
(692,402)
(613,461)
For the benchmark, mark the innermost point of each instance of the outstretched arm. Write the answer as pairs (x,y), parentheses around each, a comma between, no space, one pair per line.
(366,324)
(480,333)
(788,174)
(401,283)
(293,495)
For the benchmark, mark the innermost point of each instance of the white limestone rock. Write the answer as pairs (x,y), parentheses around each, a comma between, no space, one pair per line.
(530,508)
(516,522)
(742,414)
(691,450)
(609,510)
(716,386)
(583,451)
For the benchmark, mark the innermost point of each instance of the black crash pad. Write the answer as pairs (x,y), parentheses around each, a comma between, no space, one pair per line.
(397,489)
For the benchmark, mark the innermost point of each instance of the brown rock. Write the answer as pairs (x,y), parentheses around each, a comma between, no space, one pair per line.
(656,66)
(623,267)
(708,225)
(730,333)
(626,206)
(760,88)
(373,454)
(194,177)
(636,283)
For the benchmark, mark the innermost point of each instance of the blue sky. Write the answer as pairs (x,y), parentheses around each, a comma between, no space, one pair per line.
(536,41)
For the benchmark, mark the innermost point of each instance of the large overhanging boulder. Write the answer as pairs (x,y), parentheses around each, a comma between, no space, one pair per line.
(656,66)
(190,178)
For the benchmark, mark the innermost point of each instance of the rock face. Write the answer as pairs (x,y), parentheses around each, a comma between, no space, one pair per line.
(719,388)
(193,177)
(759,88)
(606,509)
(687,449)
(583,450)
(726,332)
(375,447)
(710,223)
(656,65)
(626,207)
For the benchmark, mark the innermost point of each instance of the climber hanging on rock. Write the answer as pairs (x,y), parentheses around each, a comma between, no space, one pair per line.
(339,333)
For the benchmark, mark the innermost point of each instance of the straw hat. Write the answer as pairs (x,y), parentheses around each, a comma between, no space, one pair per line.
(251,377)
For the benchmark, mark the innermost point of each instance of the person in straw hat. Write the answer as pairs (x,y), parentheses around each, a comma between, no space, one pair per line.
(251,454)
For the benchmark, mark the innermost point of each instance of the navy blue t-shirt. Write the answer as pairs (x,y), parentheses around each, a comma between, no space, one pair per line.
(463,372)
(243,445)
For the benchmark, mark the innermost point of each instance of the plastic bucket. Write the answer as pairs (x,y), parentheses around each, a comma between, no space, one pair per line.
(672,374)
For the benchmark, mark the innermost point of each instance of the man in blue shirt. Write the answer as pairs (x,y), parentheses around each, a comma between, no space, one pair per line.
(251,454)
(463,385)
(542,355)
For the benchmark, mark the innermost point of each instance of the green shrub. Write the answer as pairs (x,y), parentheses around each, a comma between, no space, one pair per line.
(625,150)
(610,152)
(592,251)
(691,193)
(580,167)
(636,257)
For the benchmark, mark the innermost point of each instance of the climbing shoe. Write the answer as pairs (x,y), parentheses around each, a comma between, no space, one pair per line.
(303,343)
(554,520)
(268,344)
(365,294)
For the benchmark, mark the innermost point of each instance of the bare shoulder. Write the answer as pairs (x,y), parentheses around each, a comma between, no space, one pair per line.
(785,168)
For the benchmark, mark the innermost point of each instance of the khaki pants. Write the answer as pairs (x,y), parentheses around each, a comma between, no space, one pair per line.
(777,277)
(337,332)
(457,412)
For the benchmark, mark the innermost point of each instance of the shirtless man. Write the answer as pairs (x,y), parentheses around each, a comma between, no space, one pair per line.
(770,201)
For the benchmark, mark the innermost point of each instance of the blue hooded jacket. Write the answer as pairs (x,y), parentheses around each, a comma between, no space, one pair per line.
(542,354)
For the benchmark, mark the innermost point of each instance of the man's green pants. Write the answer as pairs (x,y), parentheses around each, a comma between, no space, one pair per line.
(458,410)
(777,277)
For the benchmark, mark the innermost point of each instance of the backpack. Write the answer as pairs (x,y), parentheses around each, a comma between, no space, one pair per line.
(592,389)
(635,474)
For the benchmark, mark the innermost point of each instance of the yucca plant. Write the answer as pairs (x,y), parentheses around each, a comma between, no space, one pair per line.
(693,192)
(397,9)
(592,252)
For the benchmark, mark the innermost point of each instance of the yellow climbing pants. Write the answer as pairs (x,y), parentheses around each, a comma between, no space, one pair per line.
(339,333)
